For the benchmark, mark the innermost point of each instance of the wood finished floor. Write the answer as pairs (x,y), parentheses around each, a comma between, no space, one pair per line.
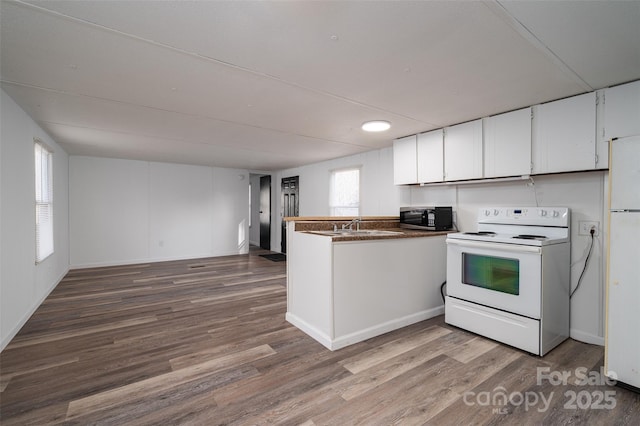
(205,342)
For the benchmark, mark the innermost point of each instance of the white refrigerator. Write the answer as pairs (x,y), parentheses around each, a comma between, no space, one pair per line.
(622,339)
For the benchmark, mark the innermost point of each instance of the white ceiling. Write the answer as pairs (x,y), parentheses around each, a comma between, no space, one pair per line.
(271,85)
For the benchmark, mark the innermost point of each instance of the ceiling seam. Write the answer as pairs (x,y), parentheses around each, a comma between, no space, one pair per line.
(197,116)
(190,141)
(217,61)
(499,10)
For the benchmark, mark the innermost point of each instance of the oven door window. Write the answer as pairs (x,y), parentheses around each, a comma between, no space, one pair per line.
(490,272)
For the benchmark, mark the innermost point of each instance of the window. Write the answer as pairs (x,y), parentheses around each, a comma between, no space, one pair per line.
(344,192)
(44,201)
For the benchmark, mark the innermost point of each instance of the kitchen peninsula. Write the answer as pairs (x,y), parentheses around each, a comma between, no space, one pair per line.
(347,285)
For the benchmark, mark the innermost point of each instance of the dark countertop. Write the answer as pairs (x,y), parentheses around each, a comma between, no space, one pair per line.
(322,227)
(398,234)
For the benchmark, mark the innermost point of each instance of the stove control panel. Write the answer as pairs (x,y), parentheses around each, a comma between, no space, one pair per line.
(544,216)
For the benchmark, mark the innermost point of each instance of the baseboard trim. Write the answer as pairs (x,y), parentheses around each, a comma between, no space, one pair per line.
(385,327)
(361,335)
(152,260)
(8,338)
(581,336)
(319,336)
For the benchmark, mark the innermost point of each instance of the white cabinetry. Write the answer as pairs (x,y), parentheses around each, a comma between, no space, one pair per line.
(342,293)
(430,156)
(507,144)
(622,110)
(405,165)
(383,285)
(564,134)
(568,135)
(463,151)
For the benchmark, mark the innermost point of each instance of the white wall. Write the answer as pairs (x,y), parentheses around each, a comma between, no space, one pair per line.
(23,284)
(378,195)
(125,211)
(584,193)
(230,212)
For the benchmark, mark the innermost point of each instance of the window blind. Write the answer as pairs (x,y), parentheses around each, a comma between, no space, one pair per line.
(345,192)
(44,201)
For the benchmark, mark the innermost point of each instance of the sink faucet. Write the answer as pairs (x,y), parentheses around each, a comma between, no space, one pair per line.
(349,225)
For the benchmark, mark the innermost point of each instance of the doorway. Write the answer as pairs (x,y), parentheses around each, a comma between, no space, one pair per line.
(265,212)
(290,205)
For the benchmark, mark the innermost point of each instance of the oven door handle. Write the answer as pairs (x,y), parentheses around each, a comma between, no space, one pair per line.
(496,246)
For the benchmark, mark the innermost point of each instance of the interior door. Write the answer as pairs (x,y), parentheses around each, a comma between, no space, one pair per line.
(265,212)
(290,205)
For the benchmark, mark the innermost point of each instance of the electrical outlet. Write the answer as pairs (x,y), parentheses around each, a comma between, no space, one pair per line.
(586,226)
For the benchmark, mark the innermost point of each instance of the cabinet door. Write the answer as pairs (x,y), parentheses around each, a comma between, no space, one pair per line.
(507,144)
(622,110)
(405,164)
(564,135)
(430,157)
(463,151)
(625,174)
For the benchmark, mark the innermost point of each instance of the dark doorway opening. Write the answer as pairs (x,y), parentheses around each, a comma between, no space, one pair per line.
(265,212)
(290,205)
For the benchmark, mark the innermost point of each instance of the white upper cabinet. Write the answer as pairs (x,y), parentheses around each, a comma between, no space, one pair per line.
(430,156)
(463,151)
(622,110)
(507,144)
(568,135)
(405,165)
(564,135)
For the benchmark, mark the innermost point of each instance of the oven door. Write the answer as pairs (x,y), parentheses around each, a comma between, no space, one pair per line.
(502,276)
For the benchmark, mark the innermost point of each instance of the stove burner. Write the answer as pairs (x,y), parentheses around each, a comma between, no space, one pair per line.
(530,237)
(485,233)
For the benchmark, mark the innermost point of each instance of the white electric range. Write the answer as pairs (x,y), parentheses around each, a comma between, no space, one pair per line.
(510,279)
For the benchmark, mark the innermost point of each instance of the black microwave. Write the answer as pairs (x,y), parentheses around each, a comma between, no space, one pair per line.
(426,218)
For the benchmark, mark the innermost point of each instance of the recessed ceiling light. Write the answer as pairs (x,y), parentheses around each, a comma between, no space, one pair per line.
(376,126)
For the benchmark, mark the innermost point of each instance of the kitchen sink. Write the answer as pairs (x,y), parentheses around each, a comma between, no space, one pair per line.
(355,233)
